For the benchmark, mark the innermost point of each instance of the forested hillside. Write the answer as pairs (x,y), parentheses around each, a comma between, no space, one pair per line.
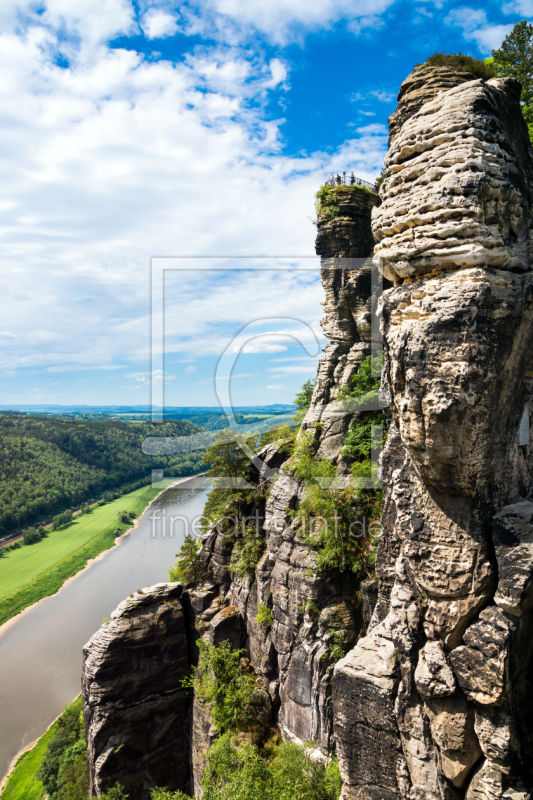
(49,464)
(218,422)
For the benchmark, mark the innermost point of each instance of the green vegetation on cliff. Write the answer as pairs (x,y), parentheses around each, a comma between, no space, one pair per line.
(327,201)
(278,771)
(48,465)
(225,680)
(461,61)
(189,567)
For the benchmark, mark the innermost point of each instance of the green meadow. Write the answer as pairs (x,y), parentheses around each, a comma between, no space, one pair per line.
(22,783)
(39,570)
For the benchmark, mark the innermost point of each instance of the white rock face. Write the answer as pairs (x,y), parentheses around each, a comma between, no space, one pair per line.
(453,195)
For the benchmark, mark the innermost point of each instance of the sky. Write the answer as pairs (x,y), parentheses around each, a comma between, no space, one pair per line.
(130,131)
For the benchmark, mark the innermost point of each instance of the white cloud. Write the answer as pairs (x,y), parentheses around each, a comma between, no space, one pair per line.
(281,21)
(227,377)
(276,386)
(113,158)
(157,24)
(190,369)
(282,371)
(366,21)
(144,377)
(293,358)
(382,96)
(474,25)
(523,7)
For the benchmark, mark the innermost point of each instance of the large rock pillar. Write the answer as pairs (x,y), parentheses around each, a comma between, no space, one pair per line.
(136,711)
(439,690)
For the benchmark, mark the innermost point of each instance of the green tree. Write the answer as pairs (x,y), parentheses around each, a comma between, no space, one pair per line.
(31,536)
(61,752)
(227,458)
(303,399)
(189,567)
(280,772)
(229,466)
(115,793)
(514,59)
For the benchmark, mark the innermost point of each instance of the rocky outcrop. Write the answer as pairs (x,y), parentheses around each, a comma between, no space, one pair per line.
(425,83)
(435,695)
(349,233)
(459,186)
(347,313)
(136,711)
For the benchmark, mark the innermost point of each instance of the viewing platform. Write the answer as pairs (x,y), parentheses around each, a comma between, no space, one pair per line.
(345,179)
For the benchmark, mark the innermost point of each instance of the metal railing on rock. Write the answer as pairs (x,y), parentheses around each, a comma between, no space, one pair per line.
(343,179)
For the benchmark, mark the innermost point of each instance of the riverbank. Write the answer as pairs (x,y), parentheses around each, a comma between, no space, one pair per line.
(69,552)
(19,782)
(41,648)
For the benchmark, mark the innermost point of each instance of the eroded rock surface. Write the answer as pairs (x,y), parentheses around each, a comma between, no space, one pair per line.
(454,561)
(136,712)
(434,699)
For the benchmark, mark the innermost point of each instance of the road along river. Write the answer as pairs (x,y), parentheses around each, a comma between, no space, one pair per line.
(41,650)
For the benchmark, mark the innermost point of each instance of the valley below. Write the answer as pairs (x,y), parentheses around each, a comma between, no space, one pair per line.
(41,650)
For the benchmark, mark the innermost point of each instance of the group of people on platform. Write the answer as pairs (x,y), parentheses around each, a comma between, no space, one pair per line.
(340,180)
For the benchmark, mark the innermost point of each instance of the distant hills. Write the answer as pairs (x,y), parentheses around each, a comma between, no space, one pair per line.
(275,408)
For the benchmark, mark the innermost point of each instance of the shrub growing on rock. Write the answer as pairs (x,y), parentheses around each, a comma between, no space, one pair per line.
(283,771)
(461,61)
(223,679)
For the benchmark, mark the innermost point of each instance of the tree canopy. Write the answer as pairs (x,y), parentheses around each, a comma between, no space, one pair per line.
(49,464)
(514,59)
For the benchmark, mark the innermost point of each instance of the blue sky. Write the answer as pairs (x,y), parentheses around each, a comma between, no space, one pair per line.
(132,130)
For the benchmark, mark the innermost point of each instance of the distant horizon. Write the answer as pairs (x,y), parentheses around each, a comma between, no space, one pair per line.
(132,130)
(146,408)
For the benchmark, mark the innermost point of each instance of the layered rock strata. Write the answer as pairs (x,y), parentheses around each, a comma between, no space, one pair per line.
(435,701)
(136,711)
(347,313)
(292,658)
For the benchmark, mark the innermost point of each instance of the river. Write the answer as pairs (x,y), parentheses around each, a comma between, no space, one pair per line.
(41,651)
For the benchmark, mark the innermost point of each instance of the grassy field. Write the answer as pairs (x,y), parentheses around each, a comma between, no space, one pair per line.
(22,783)
(39,570)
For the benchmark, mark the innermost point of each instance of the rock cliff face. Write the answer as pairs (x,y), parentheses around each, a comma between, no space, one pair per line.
(435,701)
(292,657)
(136,712)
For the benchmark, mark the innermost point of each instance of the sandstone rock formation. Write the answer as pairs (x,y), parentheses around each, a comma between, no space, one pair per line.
(434,699)
(292,657)
(444,675)
(136,712)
